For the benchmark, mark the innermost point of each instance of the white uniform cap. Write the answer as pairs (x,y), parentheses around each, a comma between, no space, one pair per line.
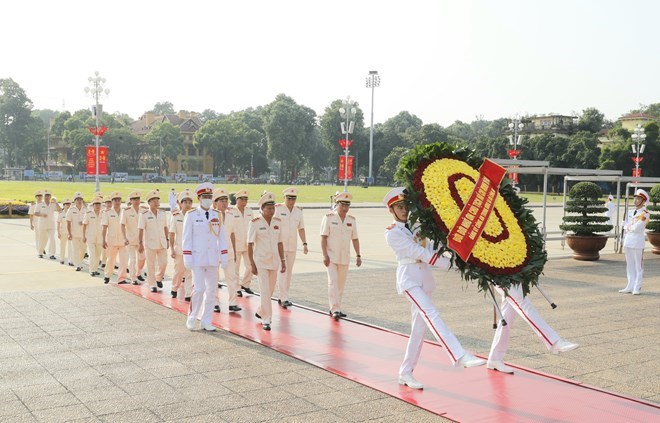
(394,196)
(77,195)
(641,193)
(290,192)
(267,198)
(241,193)
(220,193)
(66,201)
(184,195)
(113,195)
(204,188)
(134,194)
(343,197)
(97,200)
(153,194)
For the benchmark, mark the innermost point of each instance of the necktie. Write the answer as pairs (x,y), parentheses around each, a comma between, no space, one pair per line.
(635,212)
(407,226)
(207,215)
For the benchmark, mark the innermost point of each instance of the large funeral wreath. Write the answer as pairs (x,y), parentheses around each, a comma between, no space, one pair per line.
(440,179)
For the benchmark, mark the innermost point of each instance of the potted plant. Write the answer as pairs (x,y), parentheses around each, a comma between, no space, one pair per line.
(653,227)
(582,227)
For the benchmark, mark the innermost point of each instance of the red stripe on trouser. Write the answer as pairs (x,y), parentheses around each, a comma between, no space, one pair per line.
(190,304)
(529,320)
(437,334)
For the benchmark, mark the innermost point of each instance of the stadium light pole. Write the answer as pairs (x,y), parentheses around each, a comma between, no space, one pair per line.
(96,90)
(373,81)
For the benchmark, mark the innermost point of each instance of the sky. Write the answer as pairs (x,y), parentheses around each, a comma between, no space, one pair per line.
(439,60)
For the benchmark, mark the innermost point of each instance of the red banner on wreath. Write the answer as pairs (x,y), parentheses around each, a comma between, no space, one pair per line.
(474,216)
(91,160)
(341,171)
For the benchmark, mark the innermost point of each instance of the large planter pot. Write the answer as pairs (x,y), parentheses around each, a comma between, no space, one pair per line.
(654,239)
(586,248)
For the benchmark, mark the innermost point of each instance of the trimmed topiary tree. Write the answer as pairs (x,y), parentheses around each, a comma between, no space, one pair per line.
(588,208)
(654,209)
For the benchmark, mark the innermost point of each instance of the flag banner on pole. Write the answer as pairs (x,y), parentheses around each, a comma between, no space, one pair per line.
(474,216)
(103,160)
(91,160)
(341,170)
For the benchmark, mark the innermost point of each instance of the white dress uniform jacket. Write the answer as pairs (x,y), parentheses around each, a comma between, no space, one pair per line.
(634,226)
(414,255)
(292,222)
(204,240)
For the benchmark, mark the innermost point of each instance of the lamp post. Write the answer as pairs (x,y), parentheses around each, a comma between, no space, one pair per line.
(373,81)
(515,126)
(638,138)
(347,112)
(96,90)
(160,156)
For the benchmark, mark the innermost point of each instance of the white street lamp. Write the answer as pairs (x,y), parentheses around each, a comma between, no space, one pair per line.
(96,90)
(638,138)
(373,81)
(515,126)
(347,112)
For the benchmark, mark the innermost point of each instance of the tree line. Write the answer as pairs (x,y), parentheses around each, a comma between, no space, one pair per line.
(291,139)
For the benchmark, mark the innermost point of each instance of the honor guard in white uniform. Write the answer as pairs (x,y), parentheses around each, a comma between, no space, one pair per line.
(173,200)
(414,279)
(221,205)
(153,240)
(182,278)
(204,249)
(634,241)
(266,254)
(93,235)
(107,205)
(338,230)
(63,234)
(74,224)
(45,212)
(129,227)
(241,217)
(34,222)
(114,241)
(293,226)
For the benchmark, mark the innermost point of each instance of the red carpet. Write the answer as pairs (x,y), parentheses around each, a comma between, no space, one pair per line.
(371,356)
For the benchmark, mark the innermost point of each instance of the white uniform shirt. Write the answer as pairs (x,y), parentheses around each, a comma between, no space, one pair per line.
(292,222)
(35,219)
(94,232)
(228,222)
(176,228)
(47,210)
(130,218)
(339,236)
(634,226)
(154,229)
(114,235)
(61,223)
(415,256)
(265,238)
(204,240)
(76,216)
(239,227)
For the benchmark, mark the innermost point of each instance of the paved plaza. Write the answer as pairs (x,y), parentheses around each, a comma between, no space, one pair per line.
(73,349)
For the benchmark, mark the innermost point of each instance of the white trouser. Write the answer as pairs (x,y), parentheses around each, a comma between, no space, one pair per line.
(206,283)
(154,256)
(78,251)
(181,272)
(336,281)
(284,279)
(36,239)
(246,278)
(231,279)
(65,247)
(267,279)
(47,236)
(425,314)
(512,305)
(634,268)
(112,252)
(132,253)
(94,252)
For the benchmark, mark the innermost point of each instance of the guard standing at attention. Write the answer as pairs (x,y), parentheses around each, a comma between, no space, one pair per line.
(293,226)
(634,241)
(204,250)
(338,230)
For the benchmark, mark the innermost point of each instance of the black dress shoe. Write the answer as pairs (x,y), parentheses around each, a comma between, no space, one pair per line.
(135,283)
(239,293)
(159,284)
(116,267)
(173,294)
(103,266)
(187,299)
(140,278)
(216,309)
(336,315)
(287,304)
(122,283)
(41,256)
(341,314)
(247,290)
(78,269)
(71,264)
(62,262)
(235,308)
(266,326)
(106,280)
(154,289)
(86,255)
(257,315)
(219,285)
(52,258)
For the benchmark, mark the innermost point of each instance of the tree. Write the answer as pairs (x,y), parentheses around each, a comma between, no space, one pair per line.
(15,109)
(391,163)
(208,115)
(166,142)
(582,151)
(163,108)
(591,120)
(428,134)
(396,132)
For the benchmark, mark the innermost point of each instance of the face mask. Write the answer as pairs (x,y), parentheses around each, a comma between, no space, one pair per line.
(206,203)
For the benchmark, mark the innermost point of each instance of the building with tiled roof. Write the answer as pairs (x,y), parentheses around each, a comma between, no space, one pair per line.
(631,120)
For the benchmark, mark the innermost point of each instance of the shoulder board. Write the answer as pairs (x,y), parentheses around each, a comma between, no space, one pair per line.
(229,208)
(330,213)
(255,219)
(351,216)
(279,205)
(192,209)
(298,207)
(145,211)
(277,218)
(174,213)
(390,226)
